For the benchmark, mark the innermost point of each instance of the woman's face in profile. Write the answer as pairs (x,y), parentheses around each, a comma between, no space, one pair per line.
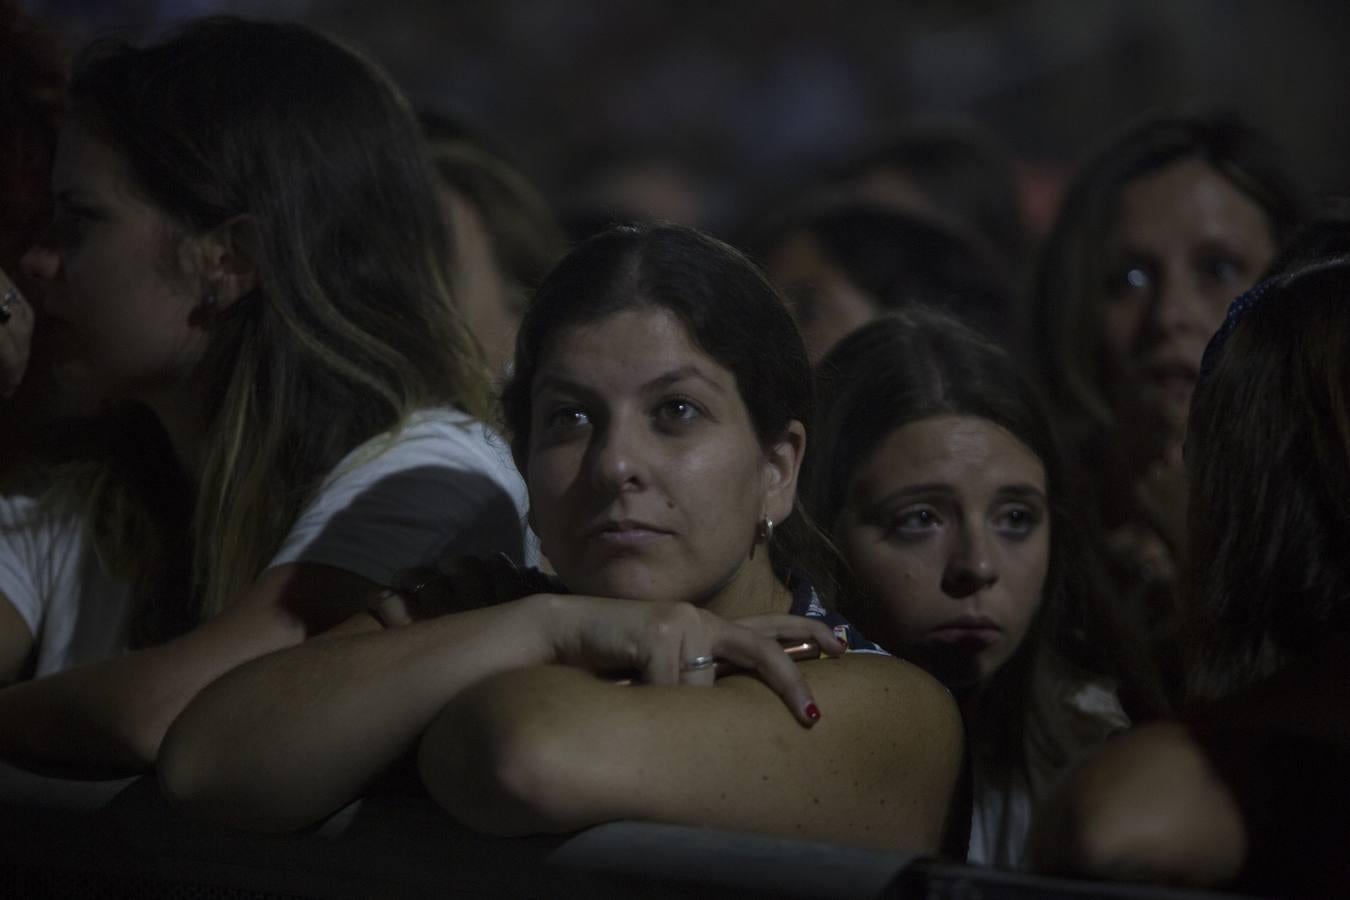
(1184,243)
(119,309)
(947,529)
(647,480)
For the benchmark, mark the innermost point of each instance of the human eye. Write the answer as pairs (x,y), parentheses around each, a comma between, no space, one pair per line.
(565,419)
(1129,278)
(1223,268)
(677,411)
(913,522)
(1017,520)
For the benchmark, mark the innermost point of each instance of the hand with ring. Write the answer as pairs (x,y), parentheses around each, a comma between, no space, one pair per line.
(677,643)
(16,335)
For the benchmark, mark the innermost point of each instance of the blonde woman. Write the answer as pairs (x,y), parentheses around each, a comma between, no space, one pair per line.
(246,267)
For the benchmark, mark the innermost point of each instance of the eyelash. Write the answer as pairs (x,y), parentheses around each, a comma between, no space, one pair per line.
(908,523)
(1031,519)
(912,522)
(555,420)
(693,411)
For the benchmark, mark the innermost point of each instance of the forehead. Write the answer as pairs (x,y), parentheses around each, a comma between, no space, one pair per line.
(1188,198)
(625,350)
(960,451)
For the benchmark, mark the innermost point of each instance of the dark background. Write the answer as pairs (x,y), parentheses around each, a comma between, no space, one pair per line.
(751,94)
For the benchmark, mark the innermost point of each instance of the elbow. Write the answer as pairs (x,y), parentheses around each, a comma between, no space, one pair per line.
(496,777)
(1144,810)
(202,780)
(187,774)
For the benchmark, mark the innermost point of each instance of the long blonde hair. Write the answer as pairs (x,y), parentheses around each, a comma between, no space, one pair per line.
(351,327)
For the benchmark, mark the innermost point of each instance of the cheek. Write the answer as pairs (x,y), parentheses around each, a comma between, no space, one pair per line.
(721,481)
(903,584)
(1120,321)
(1025,573)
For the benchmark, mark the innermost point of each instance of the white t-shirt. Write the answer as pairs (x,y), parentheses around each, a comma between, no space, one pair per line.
(1001,818)
(442,485)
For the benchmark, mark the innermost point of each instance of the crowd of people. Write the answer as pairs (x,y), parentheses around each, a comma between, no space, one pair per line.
(327,445)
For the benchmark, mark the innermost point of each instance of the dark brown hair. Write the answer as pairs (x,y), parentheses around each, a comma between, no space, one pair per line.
(1068,290)
(1268,454)
(916,364)
(731,312)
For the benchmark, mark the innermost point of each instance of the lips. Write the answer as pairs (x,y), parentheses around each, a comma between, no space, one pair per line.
(626,532)
(973,630)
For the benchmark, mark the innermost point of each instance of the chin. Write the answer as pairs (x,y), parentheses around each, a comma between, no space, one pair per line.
(625,582)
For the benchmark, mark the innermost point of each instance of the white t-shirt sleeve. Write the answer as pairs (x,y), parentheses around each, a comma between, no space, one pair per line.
(443,485)
(76,612)
(22,564)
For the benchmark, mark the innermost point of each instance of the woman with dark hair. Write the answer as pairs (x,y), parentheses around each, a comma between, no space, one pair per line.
(1249,790)
(938,477)
(1156,235)
(657,409)
(843,266)
(247,263)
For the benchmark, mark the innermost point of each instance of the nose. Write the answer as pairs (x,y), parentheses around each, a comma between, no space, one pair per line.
(616,457)
(1178,306)
(970,567)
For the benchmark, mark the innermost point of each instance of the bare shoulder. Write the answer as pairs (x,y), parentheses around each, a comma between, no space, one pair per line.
(881,692)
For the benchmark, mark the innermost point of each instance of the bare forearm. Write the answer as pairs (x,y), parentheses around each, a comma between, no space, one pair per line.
(109,717)
(339,709)
(553,750)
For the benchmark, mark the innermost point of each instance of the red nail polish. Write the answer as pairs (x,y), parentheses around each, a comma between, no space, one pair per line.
(811,712)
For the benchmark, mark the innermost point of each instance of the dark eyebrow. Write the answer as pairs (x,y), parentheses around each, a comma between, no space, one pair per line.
(674,376)
(1022,491)
(906,493)
(1222,245)
(546,380)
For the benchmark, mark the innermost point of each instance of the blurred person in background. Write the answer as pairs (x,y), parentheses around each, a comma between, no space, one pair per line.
(957,173)
(841,266)
(506,237)
(1248,790)
(1158,232)
(618,185)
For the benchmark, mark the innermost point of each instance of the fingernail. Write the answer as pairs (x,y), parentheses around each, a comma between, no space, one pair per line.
(812,713)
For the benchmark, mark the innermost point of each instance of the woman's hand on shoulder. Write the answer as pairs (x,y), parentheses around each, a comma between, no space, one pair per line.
(678,643)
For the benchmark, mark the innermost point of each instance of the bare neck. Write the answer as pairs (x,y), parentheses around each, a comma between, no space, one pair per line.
(753,590)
